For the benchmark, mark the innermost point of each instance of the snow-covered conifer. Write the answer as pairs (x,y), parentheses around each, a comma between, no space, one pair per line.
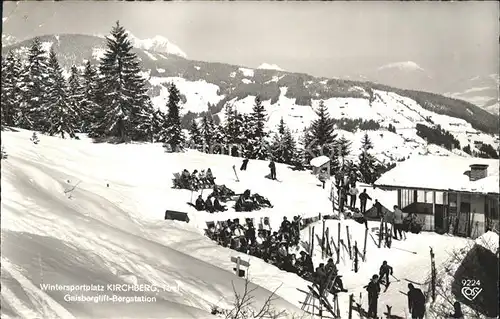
(11,89)
(34,77)
(62,110)
(172,135)
(126,105)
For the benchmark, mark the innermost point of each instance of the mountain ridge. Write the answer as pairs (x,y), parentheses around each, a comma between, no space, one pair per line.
(236,83)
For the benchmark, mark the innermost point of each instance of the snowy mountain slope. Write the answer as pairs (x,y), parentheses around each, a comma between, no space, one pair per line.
(301,88)
(479,90)
(96,234)
(268,66)
(157,44)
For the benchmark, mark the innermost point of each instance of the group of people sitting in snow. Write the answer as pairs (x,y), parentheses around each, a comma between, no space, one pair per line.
(247,202)
(275,247)
(194,181)
(271,246)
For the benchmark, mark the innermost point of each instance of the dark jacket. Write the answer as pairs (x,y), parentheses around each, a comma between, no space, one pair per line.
(385,270)
(272,166)
(416,300)
(373,289)
(364,196)
(200,204)
(209,206)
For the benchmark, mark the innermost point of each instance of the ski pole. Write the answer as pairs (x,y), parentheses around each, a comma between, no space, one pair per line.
(395,277)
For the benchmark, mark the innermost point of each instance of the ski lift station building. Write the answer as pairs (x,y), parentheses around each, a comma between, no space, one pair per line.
(320,162)
(456,195)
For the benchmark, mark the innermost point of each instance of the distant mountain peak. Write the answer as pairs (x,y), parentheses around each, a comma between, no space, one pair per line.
(407,66)
(158,43)
(268,66)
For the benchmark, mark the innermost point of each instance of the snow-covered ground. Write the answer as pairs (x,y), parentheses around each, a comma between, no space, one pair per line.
(79,213)
(117,234)
(409,258)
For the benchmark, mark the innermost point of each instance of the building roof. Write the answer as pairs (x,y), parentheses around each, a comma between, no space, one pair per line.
(319,161)
(442,173)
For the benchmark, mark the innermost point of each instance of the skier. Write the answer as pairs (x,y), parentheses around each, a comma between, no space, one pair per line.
(398,222)
(457,314)
(363,197)
(416,302)
(353,191)
(272,166)
(385,271)
(200,203)
(373,289)
(378,208)
(244,165)
(332,196)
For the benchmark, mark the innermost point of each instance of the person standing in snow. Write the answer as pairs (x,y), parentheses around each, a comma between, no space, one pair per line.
(332,196)
(363,197)
(457,314)
(244,165)
(398,222)
(353,192)
(323,176)
(373,289)
(416,302)
(272,166)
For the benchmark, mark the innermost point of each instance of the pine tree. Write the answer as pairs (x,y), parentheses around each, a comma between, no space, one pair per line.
(91,113)
(283,146)
(157,126)
(230,129)
(343,147)
(257,143)
(126,105)
(34,76)
(11,93)
(281,127)
(173,136)
(63,117)
(290,147)
(321,139)
(207,130)
(196,138)
(368,167)
(75,95)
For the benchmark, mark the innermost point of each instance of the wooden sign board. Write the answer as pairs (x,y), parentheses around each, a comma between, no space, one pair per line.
(243,263)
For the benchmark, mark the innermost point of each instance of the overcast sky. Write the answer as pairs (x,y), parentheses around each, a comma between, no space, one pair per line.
(319,38)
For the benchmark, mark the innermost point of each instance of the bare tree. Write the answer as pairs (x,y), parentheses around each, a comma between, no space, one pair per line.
(243,305)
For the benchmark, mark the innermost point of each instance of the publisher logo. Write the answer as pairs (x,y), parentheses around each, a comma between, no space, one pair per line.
(471,289)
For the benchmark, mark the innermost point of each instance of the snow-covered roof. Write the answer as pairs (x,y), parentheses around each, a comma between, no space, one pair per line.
(444,173)
(320,160)
(489,241)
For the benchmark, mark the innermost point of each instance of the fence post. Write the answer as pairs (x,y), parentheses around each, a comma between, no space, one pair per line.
(351,299)
(338,244)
